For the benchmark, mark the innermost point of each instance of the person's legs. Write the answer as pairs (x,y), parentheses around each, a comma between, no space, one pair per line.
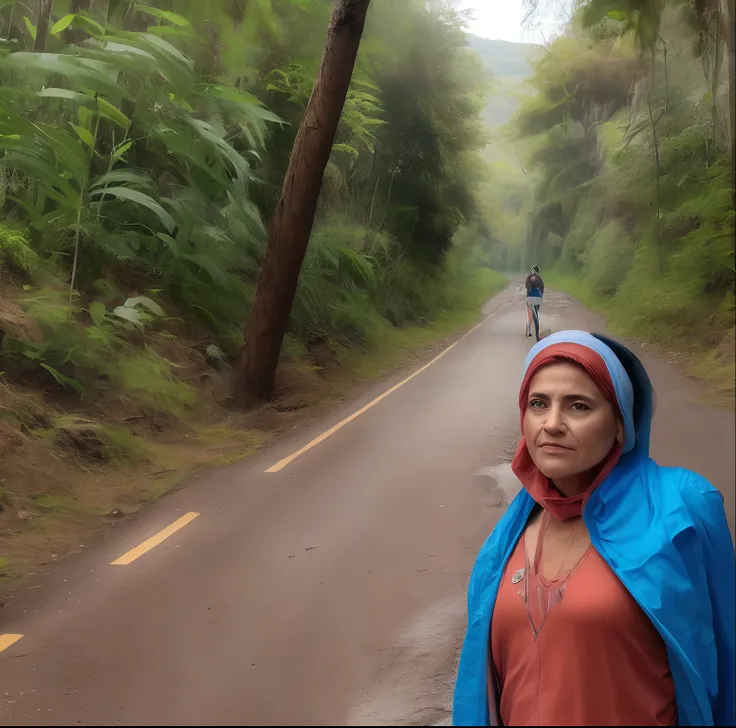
(536,321)
(528,320)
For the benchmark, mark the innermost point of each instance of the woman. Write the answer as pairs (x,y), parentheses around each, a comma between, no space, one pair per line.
(605,595)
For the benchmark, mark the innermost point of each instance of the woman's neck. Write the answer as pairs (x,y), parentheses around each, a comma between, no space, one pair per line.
(574,485)
(578,483)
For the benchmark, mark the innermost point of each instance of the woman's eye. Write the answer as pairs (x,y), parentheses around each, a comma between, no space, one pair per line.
(580,407)
(536,404)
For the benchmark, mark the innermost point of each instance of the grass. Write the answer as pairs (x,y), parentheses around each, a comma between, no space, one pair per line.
(54,503)
(705,338)
(148,381)
(718,372)
(390,346)
(576,287)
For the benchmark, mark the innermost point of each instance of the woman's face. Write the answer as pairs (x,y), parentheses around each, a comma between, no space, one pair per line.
(569,426)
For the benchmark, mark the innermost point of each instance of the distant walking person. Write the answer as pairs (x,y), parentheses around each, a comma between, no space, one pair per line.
(534,296)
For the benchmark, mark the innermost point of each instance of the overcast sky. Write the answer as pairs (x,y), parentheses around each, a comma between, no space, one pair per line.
(502,20)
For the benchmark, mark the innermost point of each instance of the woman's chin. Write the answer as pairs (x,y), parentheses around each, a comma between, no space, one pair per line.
(556,472)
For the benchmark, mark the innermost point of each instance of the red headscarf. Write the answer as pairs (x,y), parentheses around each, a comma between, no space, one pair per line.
(538,485)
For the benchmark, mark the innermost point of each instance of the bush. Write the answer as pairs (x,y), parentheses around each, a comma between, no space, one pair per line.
(608,259)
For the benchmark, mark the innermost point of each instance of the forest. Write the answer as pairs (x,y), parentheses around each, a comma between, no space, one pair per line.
(143,148)
(626,197)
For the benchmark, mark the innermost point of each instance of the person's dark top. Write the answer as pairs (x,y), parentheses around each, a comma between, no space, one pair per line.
(534,284)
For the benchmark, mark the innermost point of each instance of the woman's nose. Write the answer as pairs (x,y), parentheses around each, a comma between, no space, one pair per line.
(554,421)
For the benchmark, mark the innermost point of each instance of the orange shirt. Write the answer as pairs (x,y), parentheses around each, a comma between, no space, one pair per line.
(597,660)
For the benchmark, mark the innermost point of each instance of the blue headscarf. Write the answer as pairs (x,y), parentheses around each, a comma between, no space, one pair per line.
(621,382)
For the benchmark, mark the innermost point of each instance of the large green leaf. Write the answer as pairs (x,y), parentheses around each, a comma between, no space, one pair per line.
(45,172)
(146,302)
(129,48)
(182,143)
(170,242)
(161,45)
(64,93)
(145,54)
(347,149)
(98,313)
(170,31)
(131,314)
(89,24)
(167,15)
(62,379)
(90,73)
(62,24)
(30,27)
(58,143)
(140,198)
(121,149)
(112,113)
(244,102)
(123,175)
(84,135)
(205,262)
(207,131)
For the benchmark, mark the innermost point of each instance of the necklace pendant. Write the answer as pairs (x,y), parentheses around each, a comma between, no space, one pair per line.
(517,577)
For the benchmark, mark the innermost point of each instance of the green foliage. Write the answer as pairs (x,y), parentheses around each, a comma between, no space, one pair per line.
(632,184)
(608,259)
(390,345)
(93,441)
(149,381)
(17,253)
(141,153)
(643,18)
(81,355)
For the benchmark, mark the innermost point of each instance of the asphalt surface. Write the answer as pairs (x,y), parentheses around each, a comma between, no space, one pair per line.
(330,591)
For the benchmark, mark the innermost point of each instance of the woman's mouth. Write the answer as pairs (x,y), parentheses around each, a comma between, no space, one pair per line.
(553,447)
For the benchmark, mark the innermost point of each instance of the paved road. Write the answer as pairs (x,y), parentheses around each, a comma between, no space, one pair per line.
(330,591)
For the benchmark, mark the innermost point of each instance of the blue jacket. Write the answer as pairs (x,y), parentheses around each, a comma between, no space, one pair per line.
(663,532)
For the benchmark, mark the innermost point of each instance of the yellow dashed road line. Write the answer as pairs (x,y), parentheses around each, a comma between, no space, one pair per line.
(148,544)
(7,640)
(281,464)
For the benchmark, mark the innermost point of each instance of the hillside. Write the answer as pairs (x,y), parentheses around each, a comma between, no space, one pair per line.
(505,59)
(510,64)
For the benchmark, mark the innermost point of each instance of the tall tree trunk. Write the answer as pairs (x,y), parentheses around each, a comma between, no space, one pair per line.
(666,74)
(294,216)
(42,27)
(729,11)
(657,199)
(237,11)
(715,81)
(10,22)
